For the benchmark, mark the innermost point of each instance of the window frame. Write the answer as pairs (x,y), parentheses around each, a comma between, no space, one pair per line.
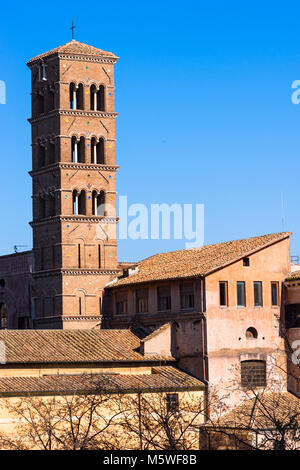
(172,402)
(243,283)
(259,283)
(226,304)
(275,283)
(257,382)
(166,298)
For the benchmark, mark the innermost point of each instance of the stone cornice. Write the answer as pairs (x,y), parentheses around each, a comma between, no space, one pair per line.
(74,218)
(75,166)
(73,112)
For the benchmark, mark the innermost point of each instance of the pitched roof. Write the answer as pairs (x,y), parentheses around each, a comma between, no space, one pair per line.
(263,411)
(197,261)
(74,48)
(161,379)
(73,346)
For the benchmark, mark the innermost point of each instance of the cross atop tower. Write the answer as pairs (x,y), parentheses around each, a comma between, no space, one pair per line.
(72,28)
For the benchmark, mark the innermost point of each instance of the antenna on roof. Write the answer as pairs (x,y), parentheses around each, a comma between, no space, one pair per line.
(282,211)
(72,28)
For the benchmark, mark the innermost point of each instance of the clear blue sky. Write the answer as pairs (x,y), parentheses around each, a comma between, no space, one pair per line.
(203,92)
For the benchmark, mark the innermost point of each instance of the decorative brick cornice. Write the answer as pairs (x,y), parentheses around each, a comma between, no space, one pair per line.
(75,166)
(53,319)
(76,272)
(74,218)
(73,112)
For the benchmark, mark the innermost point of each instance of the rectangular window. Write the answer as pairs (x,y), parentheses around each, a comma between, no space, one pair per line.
(187,295)
(275,293)
(246,261)
(79,257)
(121,306)
(258,297)
(253,374)
(172,402)
(223,288)
(142,300)
(164,298)
(99,256)
(241,294)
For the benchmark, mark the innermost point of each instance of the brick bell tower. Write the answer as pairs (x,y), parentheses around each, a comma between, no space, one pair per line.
(74,184)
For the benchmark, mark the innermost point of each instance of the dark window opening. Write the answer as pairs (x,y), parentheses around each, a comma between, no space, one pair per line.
(121,306)
(292,316)
(164,298)
(98,203)
(142,300)
(253,374)
(100,99)
(23,323)
(81,150)
(80,307)
(223,287)
(172,401)
(258,297)
(99,256)
(2,283)
(97,151)
(187,295)
(275,293)
(42,208)
(246,261)
(41,156)
(51,153)
(40,104)
(81,203)
(251,333)
(241,294)
(3,316)
(51,206)
(79,256)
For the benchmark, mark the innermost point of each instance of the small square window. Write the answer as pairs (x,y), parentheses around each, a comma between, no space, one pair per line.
(246,261)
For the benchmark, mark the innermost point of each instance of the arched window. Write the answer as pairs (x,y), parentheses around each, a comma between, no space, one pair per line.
(81,203)
(81,150)
(74,150)
(100,99)
(51,206)
(98,203)
(97,151)
(93,98)
(51,153)
(97,97)
(41,155)
(79,96)
(42,208)
(75,202)
(40,103)
(3,316)
(73,100)
(251,333)
(253,374)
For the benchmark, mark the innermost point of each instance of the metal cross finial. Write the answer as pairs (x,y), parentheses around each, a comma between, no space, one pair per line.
(72,28)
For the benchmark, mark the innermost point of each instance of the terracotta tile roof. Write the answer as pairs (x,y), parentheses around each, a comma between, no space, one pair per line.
(76,48)
(262,413)
(293,276)
(69,346)
(197,261)
(161,379)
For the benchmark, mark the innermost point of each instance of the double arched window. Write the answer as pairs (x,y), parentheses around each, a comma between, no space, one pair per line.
(98,203)
(76,96)
(97,151)
(97,98)
(78,150)
(79,202)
